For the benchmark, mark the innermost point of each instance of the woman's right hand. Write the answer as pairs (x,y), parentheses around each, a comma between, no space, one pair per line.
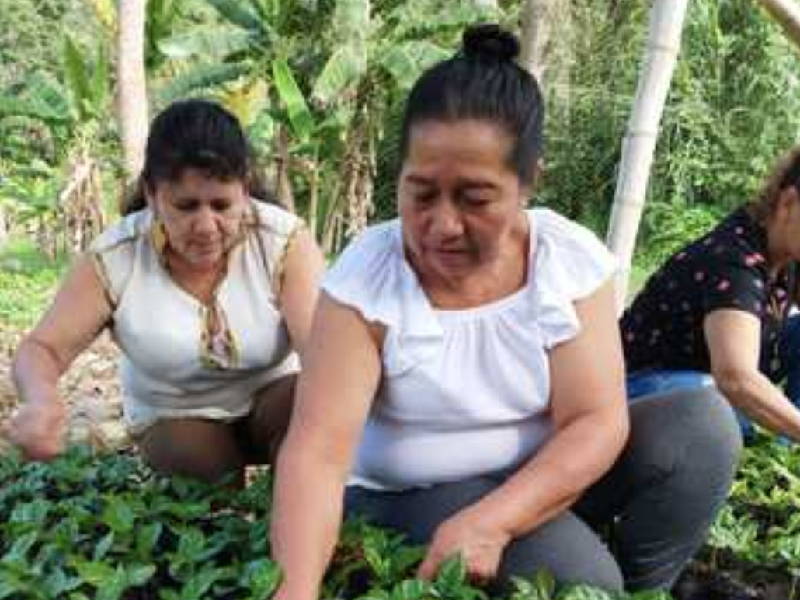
(39,429)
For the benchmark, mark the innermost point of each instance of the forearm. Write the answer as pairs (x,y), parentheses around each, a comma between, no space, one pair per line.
(577,456)
(307,514)
(36,372)
(762,401)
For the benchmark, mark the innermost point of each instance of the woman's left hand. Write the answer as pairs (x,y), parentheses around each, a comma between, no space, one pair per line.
(467,533)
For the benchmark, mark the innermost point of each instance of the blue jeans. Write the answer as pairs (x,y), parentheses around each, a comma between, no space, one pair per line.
(646,383)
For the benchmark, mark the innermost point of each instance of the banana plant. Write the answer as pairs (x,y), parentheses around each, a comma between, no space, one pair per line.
(73,110)
(326,73)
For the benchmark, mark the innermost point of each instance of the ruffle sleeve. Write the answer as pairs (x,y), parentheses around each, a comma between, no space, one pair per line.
(570,264)
(373,277)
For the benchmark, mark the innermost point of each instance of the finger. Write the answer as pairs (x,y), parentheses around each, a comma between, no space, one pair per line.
(480,574)
(429,567)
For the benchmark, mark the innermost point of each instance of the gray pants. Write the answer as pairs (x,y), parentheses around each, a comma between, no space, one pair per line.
(655,505)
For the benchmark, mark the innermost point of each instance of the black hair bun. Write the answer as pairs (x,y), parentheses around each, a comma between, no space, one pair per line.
(490,41)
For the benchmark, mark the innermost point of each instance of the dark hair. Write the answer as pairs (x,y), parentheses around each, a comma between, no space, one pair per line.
(785,174)
(197,134)
(483,82)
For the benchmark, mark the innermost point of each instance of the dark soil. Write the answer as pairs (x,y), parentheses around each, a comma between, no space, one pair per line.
(701,582)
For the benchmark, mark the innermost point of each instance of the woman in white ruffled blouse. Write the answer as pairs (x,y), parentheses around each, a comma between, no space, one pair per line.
(465,378)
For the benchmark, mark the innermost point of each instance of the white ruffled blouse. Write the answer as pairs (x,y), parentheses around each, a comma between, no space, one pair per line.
(464,392)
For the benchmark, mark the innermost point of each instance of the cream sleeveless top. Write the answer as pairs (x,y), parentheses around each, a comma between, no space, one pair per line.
(173,363)
(463,392)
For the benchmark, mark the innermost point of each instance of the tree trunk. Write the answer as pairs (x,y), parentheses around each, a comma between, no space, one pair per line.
(663,45)
(537,31)
(787,14)
(132,85)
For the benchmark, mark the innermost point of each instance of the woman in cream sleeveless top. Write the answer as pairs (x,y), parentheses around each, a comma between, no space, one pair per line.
(208,293)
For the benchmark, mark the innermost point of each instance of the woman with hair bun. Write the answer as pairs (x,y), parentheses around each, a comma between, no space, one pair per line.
(465,379)
(206,286)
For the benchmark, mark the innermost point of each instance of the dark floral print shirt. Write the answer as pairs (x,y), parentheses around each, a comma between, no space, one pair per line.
(726,268)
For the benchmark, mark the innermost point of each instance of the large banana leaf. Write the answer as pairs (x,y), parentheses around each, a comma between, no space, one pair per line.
(351,18)
(212,43)
(15,107)
(100,82)
(345,67)
(43,98)
(406,61)
(300,118)
(418,19)
(202,78)
(77,77)
(239,14)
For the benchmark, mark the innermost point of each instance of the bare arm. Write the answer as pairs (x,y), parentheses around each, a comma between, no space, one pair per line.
(300,290)
(75,318)
(734,343)
(335,391)
(591,422)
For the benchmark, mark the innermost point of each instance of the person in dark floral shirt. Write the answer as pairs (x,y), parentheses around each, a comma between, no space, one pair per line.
(722,311)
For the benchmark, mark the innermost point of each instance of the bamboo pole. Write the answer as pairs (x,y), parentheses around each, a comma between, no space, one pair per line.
(663,46)
(787,14)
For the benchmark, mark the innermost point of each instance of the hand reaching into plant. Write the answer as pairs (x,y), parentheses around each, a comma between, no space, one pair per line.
(38,429)
(478,540)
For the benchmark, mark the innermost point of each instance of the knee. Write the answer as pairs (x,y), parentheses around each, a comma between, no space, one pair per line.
(706,441)
(192,448)
(712,433)
(690,439)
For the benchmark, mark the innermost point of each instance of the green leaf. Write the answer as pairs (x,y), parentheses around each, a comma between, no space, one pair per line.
(405,62)
(201,78)
(261,577)
(411,589)
(347,64)
(236,13)
(137,575)
(351,19)
(101,76)
(103,546)
(76,74)
(199,583)
(114,586)
(147,538)
(21,546)
(211,43)
(58,582)
(299,116)
(452,573)
(118,515)
(33,513)
(95,573)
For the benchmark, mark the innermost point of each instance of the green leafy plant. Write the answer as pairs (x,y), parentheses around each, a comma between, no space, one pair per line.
(105,527)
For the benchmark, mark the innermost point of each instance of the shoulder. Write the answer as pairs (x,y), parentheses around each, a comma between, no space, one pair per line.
(557,228)
(370,271)
(569,264)
(569,253)
(115,251)
(124,232)
(271,219)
